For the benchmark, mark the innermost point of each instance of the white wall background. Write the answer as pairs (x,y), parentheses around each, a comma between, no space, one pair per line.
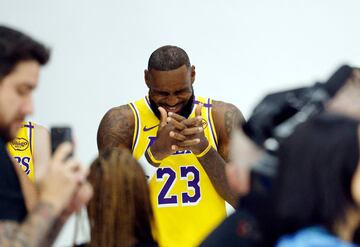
(241,50)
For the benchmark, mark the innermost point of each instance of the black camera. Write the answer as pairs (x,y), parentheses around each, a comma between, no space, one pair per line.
(276,117)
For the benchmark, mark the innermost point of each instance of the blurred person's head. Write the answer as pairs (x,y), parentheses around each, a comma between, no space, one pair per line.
(318,180)
(20,61)
(120,212)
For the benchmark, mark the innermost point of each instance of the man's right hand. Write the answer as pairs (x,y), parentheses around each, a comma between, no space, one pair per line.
(162,146)
(62,180)
(169,136)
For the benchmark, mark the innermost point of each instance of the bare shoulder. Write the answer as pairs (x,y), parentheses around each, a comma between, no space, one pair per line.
(226,116)
(41,151)
(116,128)
(42,137)
(41,131)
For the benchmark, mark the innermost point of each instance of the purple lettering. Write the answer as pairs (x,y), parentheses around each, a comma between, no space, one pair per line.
(192,184)
(25,162)
(163,198)
(186,172)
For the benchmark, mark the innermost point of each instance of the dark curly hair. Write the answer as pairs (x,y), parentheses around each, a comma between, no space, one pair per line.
(15,47)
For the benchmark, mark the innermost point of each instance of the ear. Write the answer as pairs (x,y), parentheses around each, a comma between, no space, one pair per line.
(193,73)
(147,77)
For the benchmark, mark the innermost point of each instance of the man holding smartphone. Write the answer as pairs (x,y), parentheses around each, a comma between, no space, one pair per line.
(28,218)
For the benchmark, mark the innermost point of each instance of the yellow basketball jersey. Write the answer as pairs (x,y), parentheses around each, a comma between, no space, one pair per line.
(21,148)
(186,205)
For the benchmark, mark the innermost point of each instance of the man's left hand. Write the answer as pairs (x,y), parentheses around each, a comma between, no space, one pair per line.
(193,134)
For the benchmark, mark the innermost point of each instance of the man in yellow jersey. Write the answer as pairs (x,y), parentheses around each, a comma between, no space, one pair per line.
(31,149)
(182,142)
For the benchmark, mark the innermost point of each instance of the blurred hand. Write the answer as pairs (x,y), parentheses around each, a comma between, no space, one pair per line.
(244,153)
(78,201)
(63,179)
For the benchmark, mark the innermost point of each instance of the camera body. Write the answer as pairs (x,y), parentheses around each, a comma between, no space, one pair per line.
(276,117)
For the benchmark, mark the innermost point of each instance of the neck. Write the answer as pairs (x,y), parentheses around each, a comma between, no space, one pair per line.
(345,229)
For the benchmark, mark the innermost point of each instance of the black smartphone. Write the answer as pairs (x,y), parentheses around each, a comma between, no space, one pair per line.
(60,135)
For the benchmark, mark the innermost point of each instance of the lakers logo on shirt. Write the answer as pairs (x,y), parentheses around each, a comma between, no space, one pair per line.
(19,144)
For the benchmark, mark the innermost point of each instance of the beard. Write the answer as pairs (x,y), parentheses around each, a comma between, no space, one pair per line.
(185,111)
(6,134)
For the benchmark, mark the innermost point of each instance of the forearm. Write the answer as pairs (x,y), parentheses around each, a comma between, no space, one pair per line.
(214,166)
(151,159)
(39,229)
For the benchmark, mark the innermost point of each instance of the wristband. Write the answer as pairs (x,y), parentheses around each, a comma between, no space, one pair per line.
(206,150)
(151,156)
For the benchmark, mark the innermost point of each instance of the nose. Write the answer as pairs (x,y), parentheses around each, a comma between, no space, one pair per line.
(172,100)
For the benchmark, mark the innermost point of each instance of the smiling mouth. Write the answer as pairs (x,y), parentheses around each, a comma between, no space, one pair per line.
(174,109)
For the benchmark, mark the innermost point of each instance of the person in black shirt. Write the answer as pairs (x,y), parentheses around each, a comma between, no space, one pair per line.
(12,204)
(24,219)
(255,210)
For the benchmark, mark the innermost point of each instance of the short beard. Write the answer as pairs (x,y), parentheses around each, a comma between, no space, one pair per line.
(5,134)
(185,111)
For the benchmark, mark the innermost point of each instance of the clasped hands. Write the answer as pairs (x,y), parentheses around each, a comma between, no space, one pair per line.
(177,133)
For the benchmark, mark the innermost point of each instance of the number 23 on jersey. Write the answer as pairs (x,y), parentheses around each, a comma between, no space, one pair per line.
(179,188)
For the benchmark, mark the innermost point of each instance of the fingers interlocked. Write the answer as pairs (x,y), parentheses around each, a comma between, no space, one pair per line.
(186,132)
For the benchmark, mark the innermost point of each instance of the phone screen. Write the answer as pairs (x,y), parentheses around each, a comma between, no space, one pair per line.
(60,135)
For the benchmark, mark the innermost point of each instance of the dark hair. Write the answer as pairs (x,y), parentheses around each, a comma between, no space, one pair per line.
(15,47)
(120,212)
(168,58)
(316,166)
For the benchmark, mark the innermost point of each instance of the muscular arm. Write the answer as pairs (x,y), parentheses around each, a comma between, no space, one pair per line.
(116,129)
(226,117)
(39,229)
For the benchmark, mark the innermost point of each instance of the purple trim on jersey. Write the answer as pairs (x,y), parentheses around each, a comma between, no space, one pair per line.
(208,105)
(30,126)
(147,101)
(210,124)
(137,124)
